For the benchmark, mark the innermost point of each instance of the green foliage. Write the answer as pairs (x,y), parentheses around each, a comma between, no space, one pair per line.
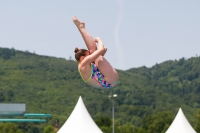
(157,123)
(53,85)
(125,128)
(197,125)
(9,128)
(103,121)
(49,129)
(160,122)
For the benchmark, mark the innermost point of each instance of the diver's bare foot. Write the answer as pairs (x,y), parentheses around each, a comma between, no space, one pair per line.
(78,23)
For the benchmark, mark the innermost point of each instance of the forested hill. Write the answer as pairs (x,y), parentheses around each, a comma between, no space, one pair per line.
(53,85)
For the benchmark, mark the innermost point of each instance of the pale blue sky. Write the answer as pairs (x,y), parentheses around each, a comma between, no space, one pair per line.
(136,33)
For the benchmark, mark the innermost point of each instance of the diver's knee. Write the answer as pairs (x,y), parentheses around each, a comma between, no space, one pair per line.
(91,51)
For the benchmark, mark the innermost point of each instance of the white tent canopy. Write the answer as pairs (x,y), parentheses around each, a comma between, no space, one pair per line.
(80,121)
(180,124)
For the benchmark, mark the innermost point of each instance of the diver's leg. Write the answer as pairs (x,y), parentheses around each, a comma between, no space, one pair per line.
(89,41)
(110,74)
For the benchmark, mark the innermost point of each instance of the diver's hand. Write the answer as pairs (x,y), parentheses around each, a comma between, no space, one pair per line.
(97,39)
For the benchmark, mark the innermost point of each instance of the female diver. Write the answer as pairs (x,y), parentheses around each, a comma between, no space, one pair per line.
(94,69)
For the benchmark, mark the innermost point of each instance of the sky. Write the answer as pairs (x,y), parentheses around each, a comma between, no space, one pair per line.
(136,32)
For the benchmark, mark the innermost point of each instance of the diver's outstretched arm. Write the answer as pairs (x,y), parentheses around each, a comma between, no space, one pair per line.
(92,57)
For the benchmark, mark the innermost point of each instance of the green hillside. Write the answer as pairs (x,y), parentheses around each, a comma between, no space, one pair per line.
(53,85)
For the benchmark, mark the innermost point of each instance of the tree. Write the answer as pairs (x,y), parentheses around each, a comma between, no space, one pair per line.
(6,53)
(103,121)
(9,128)
(157,123)
(197,125)
(125,128)
(48,129)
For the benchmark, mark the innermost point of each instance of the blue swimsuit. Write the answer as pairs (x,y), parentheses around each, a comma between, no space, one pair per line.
(98,77)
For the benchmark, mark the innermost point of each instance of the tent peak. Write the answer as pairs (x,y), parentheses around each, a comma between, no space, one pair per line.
(180,124)
(80,121)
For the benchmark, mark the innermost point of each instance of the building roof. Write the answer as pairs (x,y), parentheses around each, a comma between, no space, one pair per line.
(12,109)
